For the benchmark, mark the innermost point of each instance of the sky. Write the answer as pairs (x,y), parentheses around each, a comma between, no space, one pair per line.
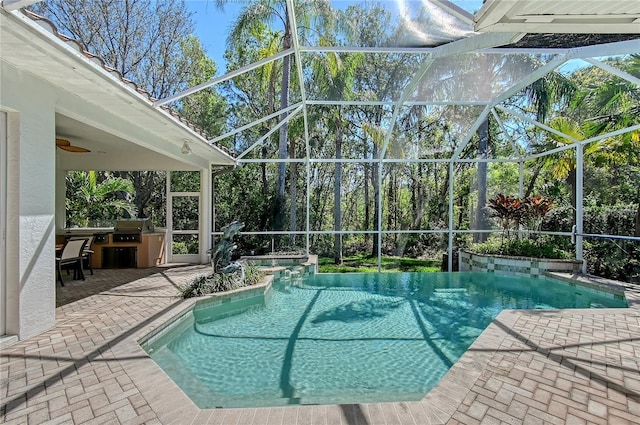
(212,24)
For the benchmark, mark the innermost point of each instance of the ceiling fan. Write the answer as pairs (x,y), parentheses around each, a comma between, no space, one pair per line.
(66,145)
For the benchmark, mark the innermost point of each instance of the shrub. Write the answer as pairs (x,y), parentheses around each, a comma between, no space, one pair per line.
(211,283)
(514,213)
(538,248)
(179,248)
(509,211)
(614,259)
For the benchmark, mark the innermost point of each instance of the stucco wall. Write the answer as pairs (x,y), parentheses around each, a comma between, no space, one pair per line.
(31,202)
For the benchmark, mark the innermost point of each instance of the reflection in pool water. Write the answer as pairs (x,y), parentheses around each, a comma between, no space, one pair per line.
(347,338)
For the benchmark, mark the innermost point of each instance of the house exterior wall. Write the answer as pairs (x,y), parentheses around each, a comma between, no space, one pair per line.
(31,290)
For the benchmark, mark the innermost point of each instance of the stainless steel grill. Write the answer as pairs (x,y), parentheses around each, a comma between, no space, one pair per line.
(131,230)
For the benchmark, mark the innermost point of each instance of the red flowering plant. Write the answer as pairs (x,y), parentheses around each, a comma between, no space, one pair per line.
(516,215)
(539,206)
(510,212)
(520,220)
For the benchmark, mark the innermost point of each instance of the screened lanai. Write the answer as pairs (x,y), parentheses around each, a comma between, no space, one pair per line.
(381,94)
(385,127)
(379,127)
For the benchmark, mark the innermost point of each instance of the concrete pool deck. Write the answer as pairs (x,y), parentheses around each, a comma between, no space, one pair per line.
(562,366)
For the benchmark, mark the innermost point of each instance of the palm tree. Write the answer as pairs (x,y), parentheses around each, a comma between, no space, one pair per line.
(551,92)
(542,95)
(89,200)
(604,104)
(255,16)
(615,105)
(563,164)
(334,73)
(612,104)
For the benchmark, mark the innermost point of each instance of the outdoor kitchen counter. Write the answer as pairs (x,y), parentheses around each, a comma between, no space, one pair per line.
(149,252)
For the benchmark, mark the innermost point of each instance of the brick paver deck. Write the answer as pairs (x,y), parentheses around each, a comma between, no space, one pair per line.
(566,366)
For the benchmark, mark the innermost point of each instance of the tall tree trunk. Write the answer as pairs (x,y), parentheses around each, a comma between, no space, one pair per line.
(376,200)
(144,186)
(264,183)
(481,219)
(532,182)
(392,214)
(637,230)
(367,203)
(337,195)
(442,199)
(269,215)
(418,202)
(293,195)
(263,175)
(282,145)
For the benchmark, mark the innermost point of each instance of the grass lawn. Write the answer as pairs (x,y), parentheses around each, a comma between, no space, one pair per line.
(363,263)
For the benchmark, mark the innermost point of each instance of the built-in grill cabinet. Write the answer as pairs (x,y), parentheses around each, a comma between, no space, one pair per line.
(131,230)
(119,257)
(132,243)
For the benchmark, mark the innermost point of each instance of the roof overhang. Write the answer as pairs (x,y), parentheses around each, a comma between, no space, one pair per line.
(99,110)
(566,16)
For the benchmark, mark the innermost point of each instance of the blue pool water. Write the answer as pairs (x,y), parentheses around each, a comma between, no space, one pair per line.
(347,338)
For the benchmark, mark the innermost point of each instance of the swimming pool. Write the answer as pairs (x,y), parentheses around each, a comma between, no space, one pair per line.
(346,338)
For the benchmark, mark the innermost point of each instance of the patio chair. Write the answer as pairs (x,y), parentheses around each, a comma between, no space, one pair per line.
(87,251)
(71,255)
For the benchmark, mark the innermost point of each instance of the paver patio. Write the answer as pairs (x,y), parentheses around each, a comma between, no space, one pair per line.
(565,366)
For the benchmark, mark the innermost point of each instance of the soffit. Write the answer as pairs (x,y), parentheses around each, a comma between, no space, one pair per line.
(566,16)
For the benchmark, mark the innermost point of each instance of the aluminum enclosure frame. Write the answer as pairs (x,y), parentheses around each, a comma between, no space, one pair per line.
(487,43)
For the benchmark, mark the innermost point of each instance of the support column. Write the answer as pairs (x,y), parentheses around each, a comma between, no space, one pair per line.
(579,204)
(61,195)
(308,205)
(168,246)
(379,234)
(206,206)
(450,249)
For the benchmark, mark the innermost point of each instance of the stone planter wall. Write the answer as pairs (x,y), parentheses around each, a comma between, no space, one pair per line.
(520,266)
(279,262)
(276,260)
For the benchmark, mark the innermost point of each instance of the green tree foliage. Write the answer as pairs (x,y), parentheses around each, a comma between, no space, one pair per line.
(251,96)
(206,109)
(601,103)
(253,18)
(94,201)
(141,39)
(615,259)
(335,74)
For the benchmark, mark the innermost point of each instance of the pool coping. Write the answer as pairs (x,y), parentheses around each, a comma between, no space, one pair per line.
(438,406)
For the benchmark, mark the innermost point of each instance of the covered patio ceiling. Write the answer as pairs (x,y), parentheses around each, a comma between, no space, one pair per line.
(566,16)
(110,152)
